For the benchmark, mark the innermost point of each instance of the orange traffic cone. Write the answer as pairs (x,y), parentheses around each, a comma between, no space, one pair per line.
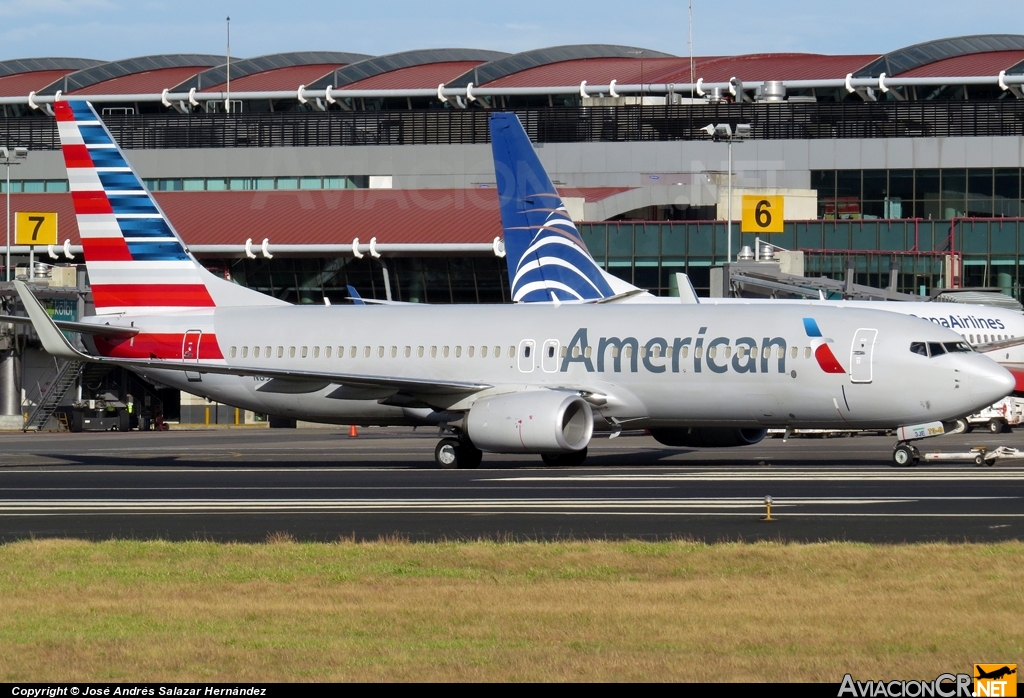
(353,432)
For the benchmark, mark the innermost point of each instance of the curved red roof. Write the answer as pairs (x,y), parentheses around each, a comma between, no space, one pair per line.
(751,68)
(414,77)
(23,83)
(287,78)
(149,81)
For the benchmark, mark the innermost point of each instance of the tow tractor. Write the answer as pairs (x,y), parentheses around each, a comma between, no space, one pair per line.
(906,454)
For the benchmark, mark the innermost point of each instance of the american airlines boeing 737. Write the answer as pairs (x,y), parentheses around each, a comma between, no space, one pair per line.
(506,379)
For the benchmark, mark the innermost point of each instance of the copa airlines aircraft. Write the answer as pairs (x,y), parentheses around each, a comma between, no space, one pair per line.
(505,379)
(548,260)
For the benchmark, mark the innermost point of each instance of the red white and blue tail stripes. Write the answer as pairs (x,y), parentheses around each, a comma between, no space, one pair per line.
(137,262)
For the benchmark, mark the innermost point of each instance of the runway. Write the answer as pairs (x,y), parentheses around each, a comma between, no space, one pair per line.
(318,484)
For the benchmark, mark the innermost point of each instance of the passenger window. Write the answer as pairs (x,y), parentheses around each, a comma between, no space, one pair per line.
(807,352)
(563,351)
(352,352)
(380,352)
(668,352)
(615,352)
(419,352)
(433,352)
(394,352)
(753,352)
(780,353)
(684,352)
(266,352)
(741,351)
(935,348)
(698,352)
(575,352)
(483,352)
(458,352)
(972,339)
(408,352)
(291,352)
(511,352)
(587,352)
(255,352)
(304,351)
(316,352)
(728,352)
(245,352)
(551,351)
(766,353)
(327,352)
(234,350)
(366,352)
(793,352)
(526,351)
(444,352)
(918,348)
(469,351)
(341,352)
(280,352)
(712,352)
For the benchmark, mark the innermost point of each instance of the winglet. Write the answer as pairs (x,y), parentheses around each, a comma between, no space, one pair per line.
(54,341)
(354,296)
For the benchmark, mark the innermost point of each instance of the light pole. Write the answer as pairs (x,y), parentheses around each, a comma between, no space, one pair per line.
(720,133)
(9,159)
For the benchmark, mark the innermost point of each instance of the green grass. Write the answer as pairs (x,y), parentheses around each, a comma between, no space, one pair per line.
(160,611)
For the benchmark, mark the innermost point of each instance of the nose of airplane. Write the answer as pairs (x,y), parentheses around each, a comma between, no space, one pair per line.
(988,382)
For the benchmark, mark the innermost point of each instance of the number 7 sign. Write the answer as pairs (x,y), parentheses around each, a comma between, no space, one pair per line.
(763,214)
(35,228)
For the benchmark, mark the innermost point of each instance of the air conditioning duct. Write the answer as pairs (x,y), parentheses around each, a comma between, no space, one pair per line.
(533,421)
(708,437)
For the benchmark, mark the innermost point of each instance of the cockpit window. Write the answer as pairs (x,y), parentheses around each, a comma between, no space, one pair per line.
(935,348)
(952,347)
(919,348)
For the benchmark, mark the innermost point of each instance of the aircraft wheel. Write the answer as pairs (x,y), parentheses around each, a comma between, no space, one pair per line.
(565,460)
(995,426)
(446,453)
(979,460)
(903,456)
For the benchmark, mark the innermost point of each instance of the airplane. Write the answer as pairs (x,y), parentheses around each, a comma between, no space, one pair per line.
(548,260)
(521,378)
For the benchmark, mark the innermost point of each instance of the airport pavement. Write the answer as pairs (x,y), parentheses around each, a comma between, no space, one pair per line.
(245,484)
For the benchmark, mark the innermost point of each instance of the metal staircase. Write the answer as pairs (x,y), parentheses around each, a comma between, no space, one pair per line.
(57,385)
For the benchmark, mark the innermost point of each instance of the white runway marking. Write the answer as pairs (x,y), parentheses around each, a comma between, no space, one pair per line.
(682,507)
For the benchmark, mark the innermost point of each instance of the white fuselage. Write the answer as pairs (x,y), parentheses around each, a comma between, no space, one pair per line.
(746,365)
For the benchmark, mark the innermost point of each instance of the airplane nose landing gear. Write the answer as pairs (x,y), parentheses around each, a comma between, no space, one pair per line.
(905,455)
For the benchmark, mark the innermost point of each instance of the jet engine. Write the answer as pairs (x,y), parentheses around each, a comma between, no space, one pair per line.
(708,437)
(534,421)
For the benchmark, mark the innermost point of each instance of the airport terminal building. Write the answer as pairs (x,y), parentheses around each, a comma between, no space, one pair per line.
(299,174)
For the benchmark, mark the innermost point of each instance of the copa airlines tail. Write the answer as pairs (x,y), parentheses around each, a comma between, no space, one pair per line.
(137,262)
(547,259)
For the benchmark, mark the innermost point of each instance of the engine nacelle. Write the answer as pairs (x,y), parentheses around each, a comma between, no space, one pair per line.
(534,421)
(708,437)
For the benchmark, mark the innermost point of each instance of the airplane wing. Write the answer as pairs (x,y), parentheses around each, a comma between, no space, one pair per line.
(55,343)
(80,327)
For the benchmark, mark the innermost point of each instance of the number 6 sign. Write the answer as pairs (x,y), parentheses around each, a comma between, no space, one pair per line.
(763,214)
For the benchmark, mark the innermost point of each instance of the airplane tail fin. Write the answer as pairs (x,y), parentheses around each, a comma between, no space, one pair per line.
(137,262)
(547,259)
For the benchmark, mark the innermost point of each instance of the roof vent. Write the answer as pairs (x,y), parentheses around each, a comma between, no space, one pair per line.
(771,91)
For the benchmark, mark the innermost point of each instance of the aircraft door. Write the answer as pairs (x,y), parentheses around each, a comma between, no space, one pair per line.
(861,355)
(190,345)
(549,356)
(527,350)
(190,352)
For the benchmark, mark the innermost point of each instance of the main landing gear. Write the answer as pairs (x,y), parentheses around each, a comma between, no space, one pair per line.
(452,454)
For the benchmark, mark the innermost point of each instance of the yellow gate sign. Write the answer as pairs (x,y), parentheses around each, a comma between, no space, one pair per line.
(35,228)
(763,214)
